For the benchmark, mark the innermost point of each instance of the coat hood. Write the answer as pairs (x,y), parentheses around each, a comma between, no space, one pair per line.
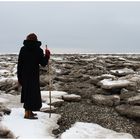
(32,45)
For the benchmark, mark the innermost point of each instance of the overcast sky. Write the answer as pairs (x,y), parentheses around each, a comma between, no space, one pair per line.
(72,27)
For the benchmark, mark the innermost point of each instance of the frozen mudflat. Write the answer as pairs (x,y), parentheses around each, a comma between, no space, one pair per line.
(88,91)
(42,128)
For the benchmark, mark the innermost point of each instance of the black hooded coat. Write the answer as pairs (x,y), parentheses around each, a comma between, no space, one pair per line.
(30,56)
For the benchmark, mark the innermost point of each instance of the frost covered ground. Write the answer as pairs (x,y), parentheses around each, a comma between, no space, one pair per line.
(43,127)
(91,130)
(94,96)
(24,128)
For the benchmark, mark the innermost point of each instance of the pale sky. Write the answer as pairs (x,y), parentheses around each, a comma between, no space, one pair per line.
(72,27)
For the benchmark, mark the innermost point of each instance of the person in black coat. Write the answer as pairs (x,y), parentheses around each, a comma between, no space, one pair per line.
(29,59)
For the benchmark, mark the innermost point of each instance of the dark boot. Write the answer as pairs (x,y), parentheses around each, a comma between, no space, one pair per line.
(33,114)
(28,115)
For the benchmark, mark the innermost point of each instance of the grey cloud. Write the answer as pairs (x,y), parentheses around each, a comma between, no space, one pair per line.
(69,27)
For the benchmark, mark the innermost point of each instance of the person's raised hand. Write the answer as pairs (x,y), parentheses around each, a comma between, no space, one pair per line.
(47,53)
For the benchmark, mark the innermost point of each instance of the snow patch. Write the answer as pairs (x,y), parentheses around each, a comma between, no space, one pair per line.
(14,79)
(57,58)
(14,71)
(44,105)
(53,100)
(89,59)
(109,83)
(24,128)
(72,95)
(3,100)
(54,94)
(107,75)
(58,70)
(4,72)
(122,71)
(91,130)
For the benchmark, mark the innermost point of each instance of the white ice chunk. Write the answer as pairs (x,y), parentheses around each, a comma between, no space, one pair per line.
(3,100)
(109,84)
(91,130)
(54,94)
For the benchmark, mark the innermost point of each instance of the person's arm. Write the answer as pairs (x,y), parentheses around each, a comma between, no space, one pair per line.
(20,67)
(43,60)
